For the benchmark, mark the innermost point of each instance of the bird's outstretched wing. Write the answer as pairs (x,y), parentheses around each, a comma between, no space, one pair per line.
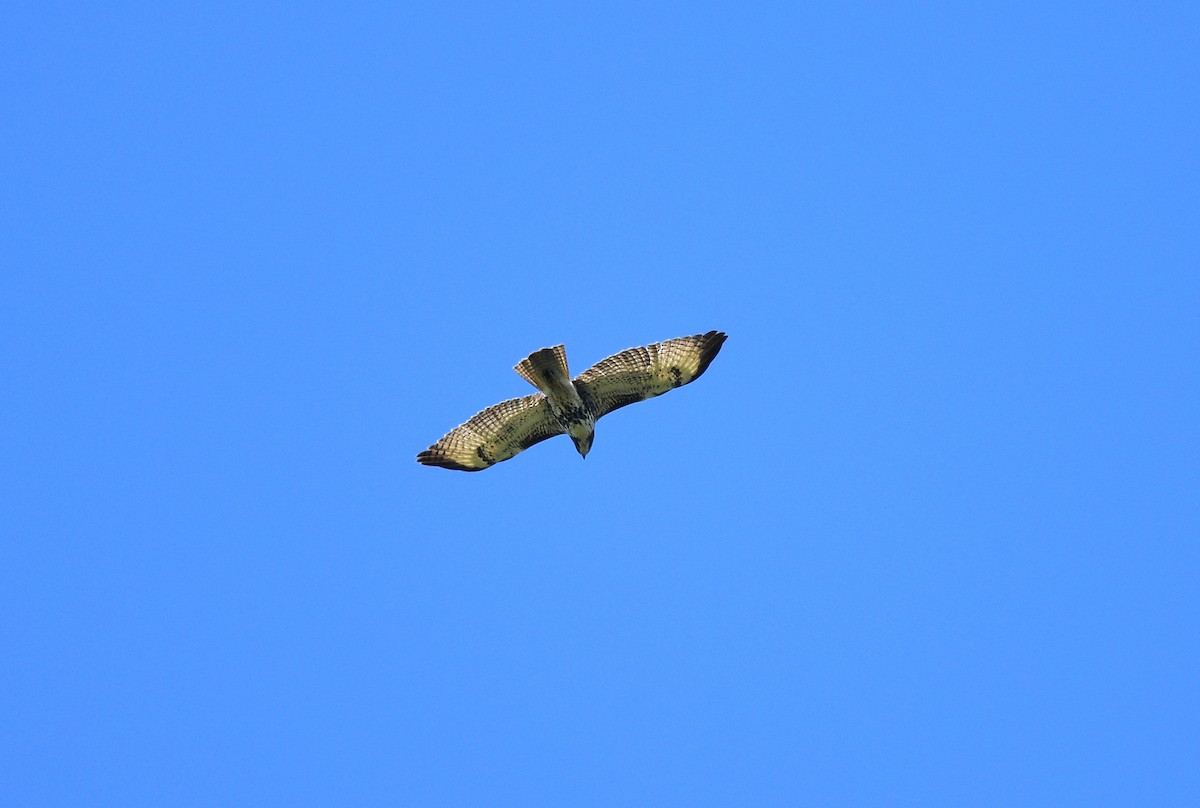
(637,374)
(496,434)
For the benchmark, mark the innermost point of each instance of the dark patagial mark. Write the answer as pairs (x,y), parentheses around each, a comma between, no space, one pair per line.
(677,376)
(634,398)
(533,439)
(484,456)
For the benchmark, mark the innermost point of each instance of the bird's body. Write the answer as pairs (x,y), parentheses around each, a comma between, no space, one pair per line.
(571,406)
(547,371)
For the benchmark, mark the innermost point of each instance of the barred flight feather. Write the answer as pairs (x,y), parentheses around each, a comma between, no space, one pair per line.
(497,433)
(637,374)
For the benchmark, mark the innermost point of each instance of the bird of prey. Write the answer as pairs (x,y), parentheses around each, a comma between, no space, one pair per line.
(569,406)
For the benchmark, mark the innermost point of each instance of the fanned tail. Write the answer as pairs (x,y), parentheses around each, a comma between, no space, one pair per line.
(546,369)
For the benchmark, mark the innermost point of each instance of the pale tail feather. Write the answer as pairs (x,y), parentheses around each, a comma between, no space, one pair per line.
(546,369)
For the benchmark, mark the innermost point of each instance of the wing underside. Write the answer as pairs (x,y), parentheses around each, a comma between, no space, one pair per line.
(493,435)
(640,373)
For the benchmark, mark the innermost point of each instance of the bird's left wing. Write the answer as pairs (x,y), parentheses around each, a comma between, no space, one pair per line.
(493,435)
(637,374)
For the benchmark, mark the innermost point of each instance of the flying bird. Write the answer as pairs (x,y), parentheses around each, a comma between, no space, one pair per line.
(569,406)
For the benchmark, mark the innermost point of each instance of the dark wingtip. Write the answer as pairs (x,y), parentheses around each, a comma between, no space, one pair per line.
(431,458)
(710,346)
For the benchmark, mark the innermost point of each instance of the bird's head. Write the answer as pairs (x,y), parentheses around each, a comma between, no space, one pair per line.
(582,438)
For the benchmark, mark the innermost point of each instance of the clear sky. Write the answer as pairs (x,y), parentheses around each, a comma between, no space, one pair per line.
(926,533)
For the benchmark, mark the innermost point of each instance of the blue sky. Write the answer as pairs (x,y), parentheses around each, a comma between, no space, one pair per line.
(924,534)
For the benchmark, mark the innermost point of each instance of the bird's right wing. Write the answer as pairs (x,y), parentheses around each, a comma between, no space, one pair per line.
(637,374)
(496,434)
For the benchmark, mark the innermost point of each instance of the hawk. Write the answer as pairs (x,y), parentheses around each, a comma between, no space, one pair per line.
(569,406)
